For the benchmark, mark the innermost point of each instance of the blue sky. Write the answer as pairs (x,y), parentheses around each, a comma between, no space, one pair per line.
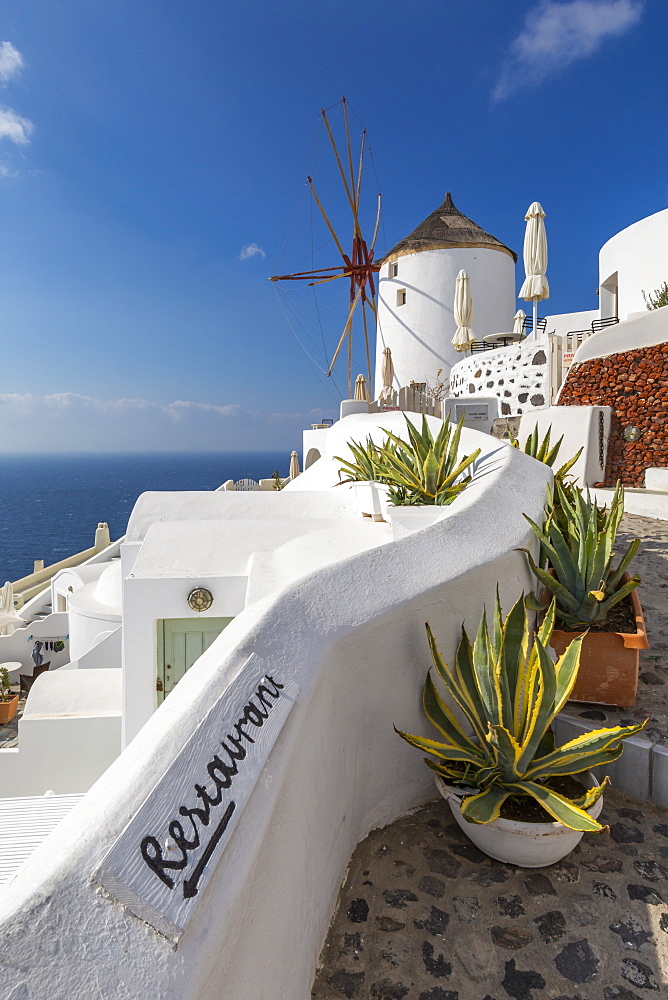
(143,146)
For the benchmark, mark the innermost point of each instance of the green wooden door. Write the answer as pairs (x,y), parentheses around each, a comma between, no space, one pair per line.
(181,641)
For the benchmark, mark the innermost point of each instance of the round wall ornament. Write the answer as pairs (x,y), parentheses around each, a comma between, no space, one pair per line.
(632,433)
(200,599)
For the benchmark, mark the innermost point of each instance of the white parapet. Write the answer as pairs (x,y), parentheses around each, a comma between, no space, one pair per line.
(586,427)
(657,480)
(70,733)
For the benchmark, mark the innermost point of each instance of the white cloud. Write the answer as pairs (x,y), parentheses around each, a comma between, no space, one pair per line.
(249,250)
(11,62)
(14,127)
(556,34)
(70,421)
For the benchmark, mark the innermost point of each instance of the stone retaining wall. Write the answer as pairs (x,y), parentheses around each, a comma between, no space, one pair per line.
(518,374)
(635,385)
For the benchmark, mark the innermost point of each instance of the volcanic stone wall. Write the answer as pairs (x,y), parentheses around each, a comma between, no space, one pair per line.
(519,375)
(635,385)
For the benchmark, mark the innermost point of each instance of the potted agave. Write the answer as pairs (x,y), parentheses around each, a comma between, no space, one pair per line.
(9,702)
(421,472)
(594,599)
(364,472)
(511,790)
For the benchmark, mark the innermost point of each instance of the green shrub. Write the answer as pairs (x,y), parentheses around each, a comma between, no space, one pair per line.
(657,298)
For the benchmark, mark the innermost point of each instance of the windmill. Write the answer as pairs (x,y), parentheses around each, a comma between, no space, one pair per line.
(358,265)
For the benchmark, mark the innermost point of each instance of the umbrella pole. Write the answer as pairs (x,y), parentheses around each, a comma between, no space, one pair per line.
(535,318)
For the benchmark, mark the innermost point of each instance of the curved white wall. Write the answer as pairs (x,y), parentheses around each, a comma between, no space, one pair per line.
(646,330)
(94,609)
(352,635)
(638,257)
(420,332)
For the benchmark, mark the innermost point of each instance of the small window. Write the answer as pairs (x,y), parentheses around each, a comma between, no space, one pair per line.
(401,297)
(394,268)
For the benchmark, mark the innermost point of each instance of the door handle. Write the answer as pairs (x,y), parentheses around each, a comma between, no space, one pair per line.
(158,685)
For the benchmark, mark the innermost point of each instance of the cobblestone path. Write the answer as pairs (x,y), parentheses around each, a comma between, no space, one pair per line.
(424,915)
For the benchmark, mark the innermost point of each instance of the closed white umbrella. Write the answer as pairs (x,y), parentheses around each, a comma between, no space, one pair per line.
(294,465)
(10,618)
(7,597)
(518,322)
(8,615)
(535,285)
(387,372)
(463,311)
(360,389)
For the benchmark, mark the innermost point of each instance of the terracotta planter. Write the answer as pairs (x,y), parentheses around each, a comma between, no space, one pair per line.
(608,673)
(8,710)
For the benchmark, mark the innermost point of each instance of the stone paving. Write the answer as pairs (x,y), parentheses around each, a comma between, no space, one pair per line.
(424,915)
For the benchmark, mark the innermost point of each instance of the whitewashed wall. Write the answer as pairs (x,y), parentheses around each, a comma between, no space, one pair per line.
(420,332)
(70,733)
(18,646)
(352,635)
(518,375)
(586,427)
(559,324)
(638,256)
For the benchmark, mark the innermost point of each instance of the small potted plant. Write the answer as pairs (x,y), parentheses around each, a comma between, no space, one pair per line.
(9,702)
(424,471)
(511,790)
(592,596)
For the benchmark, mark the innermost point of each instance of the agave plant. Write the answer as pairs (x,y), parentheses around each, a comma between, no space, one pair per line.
(423,470)
(542,452)
(578,540)
(546,452)
(366,464)
(510,691)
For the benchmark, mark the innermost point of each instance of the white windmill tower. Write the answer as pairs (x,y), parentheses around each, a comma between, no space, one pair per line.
(416,295)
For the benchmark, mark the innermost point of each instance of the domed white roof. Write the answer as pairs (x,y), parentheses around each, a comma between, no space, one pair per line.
(108,587)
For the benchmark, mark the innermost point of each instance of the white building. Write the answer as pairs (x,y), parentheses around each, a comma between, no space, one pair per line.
(417,291)
(633,261)
(528,376)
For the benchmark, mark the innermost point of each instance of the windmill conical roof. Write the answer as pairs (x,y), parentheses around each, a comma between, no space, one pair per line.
(446,227)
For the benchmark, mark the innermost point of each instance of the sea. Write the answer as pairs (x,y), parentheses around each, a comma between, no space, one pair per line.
(50,505)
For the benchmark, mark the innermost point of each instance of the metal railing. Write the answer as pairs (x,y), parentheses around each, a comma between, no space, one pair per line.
(601,324)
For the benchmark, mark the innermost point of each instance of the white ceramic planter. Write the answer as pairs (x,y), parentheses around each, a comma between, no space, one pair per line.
(371,499)
(528,845)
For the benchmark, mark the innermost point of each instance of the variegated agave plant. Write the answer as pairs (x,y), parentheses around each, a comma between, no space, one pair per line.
(510,691)
(423,470)
(578,544)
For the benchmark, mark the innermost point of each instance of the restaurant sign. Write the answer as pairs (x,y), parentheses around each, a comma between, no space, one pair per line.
(166,854)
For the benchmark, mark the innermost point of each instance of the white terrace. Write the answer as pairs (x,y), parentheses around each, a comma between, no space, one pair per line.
(330,606)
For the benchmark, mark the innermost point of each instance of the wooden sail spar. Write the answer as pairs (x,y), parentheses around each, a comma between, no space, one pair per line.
(358,265)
